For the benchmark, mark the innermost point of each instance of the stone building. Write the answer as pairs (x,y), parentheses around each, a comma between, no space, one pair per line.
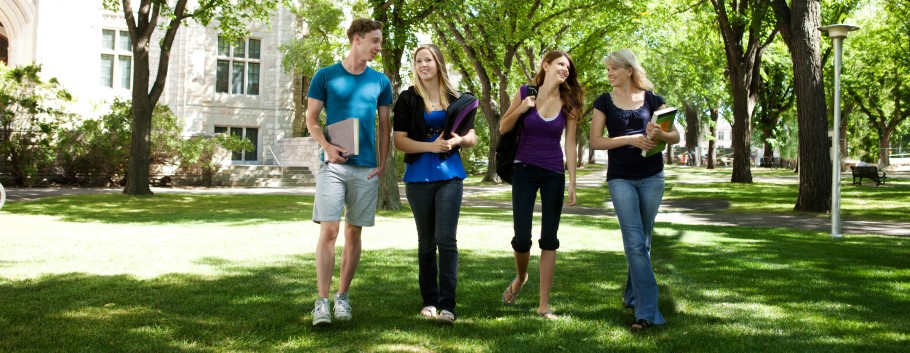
(214,85)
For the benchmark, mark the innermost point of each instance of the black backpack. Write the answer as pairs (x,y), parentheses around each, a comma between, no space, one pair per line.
(508,144)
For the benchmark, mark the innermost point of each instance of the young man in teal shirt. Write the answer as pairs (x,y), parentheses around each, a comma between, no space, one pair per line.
(349,89)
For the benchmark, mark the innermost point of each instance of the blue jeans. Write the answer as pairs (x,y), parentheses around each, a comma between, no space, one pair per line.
(436,207)
(636,203)
(526,180)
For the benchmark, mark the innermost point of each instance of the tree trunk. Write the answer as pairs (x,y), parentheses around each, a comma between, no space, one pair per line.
(504,102)
(579,154)
(799,29)
(146,96)
(581,140)
(493,127)
(693,128)
(137,181)
(301,88)
(712,144)
(485,98)
(883,144)
(742,136)
(693,131)
(744,43)
(389,195)
(768,150)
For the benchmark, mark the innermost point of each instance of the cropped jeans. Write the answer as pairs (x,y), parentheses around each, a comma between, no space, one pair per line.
(636,203)
(436,206)
(526,181)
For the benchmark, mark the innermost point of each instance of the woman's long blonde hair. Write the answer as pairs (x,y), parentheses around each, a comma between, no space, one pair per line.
(625,58)
(445,86)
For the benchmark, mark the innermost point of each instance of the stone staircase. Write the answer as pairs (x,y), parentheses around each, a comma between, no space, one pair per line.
(264,176)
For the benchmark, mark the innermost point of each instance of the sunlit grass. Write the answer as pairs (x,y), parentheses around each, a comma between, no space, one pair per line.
(235,273)
(211,281)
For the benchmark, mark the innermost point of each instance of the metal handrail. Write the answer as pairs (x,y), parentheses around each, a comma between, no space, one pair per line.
(269,147)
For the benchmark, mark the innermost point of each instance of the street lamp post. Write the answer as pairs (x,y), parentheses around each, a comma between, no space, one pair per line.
(837,33)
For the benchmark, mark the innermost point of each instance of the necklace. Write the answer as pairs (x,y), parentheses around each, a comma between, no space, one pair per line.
(433,104)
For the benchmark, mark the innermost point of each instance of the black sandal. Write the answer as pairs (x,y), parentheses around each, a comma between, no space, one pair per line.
(641,325)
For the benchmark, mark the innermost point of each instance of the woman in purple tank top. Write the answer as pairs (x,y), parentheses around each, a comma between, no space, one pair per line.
(539,165)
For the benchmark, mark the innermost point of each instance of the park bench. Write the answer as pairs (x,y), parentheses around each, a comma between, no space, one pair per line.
(870,172)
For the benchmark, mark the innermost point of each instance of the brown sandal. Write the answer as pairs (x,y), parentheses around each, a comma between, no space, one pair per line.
(508,296)
(641,325)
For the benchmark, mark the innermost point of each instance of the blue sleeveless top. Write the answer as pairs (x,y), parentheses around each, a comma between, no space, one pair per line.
(433,166)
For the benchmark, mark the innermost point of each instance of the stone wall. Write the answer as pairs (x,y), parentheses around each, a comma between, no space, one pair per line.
(298,152)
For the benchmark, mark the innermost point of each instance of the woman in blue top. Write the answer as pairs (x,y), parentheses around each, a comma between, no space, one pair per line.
(636,183)
(539,166)
(432,121)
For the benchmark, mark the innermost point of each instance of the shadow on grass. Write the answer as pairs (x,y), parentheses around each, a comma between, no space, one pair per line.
(785,290)
(727,291)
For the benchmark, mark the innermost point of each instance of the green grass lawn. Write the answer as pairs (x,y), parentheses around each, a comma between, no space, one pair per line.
(214,273)
(767,194)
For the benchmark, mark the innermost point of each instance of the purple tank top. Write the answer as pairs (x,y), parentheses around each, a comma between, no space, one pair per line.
(539,145)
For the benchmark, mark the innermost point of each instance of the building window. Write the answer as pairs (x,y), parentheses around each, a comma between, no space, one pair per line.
(4,50)
(116,59)
(237,70)
(250,133)
(720,135)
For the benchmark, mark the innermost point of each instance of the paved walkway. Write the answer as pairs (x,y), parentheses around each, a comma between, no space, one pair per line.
(687,212)
(705,211)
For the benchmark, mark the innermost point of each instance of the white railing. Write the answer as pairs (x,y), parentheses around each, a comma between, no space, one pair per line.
(269,147)
(2,196)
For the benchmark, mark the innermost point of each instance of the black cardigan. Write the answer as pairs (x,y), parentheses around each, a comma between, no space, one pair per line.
(408,117)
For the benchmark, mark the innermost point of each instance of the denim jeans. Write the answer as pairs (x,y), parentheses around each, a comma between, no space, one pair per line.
(436,207)
(636,203)
(526,181)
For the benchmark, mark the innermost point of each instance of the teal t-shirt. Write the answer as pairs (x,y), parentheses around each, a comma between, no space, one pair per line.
(346,95)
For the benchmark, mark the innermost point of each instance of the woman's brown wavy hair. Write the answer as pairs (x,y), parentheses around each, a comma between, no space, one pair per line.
(571,92)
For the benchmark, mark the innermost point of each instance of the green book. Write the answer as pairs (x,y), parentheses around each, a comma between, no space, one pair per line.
(664,118)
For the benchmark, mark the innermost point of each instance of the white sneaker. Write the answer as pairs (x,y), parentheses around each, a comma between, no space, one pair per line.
(321,314)
(342,307)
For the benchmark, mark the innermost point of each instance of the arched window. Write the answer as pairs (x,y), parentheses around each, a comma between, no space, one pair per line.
(4,50)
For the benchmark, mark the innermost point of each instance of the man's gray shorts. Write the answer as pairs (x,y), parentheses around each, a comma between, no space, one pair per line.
(340,186)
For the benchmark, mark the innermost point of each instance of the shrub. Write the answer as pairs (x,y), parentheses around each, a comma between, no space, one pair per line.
(31,116)
(205,155)
(97,151)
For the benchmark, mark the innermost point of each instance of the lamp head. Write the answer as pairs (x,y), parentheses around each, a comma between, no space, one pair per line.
(838,30)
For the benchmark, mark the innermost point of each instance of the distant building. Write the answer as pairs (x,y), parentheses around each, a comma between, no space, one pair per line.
(723,140)
(214,85)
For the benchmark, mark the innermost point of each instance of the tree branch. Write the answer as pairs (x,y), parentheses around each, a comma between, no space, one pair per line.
(130,19)
(164,60)
(482,74)
(726,31)
(203,8)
